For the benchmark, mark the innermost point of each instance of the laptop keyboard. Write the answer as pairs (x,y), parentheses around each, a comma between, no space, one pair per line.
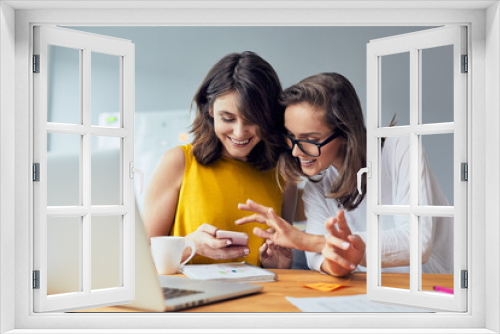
(170,293)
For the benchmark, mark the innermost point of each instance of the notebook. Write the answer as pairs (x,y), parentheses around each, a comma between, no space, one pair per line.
(232,272)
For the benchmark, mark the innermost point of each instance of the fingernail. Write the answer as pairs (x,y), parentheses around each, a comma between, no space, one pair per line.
(229,242)
(352,266)
(246,251)
(345,245)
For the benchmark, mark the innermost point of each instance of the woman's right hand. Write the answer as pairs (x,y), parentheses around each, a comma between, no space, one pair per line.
(207,245)
(283,233)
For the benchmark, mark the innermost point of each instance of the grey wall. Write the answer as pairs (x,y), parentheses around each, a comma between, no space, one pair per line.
(171,62)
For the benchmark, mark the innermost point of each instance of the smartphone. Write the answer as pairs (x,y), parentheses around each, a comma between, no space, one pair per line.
(238,238)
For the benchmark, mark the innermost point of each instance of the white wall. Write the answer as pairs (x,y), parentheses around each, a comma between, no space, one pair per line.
(7,162)
(492,158)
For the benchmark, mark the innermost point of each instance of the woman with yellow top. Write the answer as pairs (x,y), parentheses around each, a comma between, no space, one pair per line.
(196,188)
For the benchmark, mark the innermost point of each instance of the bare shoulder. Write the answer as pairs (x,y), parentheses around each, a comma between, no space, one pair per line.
(173,158)
(170,170)
(163,193)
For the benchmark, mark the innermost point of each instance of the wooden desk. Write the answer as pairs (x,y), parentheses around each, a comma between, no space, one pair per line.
(290,283)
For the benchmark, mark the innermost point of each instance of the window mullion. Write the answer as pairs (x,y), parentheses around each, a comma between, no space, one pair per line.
(100,210)
(419,129)
(85,179)
(439,211)
(434,129)
(414,174)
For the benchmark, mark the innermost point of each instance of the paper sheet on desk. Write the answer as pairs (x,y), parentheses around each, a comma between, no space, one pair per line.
(345,304)
(233,271)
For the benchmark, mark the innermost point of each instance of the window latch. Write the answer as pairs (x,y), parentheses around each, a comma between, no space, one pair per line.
(368,171)
(133,170)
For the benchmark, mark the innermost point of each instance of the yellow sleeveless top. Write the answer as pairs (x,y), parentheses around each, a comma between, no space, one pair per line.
(210,194)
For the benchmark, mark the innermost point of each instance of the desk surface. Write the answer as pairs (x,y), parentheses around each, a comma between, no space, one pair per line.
(290,283)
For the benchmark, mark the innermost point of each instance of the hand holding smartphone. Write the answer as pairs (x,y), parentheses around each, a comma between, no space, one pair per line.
(237,238)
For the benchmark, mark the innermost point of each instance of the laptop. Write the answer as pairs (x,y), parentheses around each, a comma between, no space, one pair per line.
(159,293)
(153,292)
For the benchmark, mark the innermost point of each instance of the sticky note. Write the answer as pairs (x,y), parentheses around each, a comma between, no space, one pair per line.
(324,286)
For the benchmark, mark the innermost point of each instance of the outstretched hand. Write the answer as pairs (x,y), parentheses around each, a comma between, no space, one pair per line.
(343,251)
(281,233)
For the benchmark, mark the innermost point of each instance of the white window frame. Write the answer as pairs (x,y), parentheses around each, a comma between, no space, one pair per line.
(86,44)
(413,44)
(483,20)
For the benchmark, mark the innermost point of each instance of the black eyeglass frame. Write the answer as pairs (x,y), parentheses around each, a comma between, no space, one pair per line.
(319,145)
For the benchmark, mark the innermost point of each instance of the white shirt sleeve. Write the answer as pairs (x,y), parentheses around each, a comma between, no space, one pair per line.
(316,211)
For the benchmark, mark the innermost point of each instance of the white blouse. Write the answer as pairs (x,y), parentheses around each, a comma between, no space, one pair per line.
(437,232)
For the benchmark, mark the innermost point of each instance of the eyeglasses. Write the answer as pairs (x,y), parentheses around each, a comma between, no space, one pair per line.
(309,147)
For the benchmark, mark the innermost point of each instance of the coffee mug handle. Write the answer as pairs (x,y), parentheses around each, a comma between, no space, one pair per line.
(191,244)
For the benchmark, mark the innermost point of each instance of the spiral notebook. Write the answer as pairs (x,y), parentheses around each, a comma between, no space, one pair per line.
(234,272)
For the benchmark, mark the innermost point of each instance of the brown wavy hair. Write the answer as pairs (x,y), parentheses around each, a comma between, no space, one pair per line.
(258,89)
(334,94)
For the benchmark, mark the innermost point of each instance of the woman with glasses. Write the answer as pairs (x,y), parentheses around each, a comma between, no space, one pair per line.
(326,136)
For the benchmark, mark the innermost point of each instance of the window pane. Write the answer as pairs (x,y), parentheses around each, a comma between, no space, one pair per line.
(437,172)
(63,85)
(436,246)
(63,254)
(395,190)
(106,252)
(105,90)
(437,84)
(63,169)
(395,250)
(106,171)
(395,88)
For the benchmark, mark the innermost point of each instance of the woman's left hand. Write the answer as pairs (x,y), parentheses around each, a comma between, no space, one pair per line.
(343,251)
(274,256)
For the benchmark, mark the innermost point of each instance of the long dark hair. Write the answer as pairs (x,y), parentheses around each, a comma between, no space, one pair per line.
(334,94)
(258,89)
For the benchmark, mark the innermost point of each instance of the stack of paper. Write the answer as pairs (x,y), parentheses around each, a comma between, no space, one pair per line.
(235,272)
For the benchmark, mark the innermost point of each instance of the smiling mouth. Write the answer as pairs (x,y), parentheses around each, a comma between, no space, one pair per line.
(240,142)
(307,162)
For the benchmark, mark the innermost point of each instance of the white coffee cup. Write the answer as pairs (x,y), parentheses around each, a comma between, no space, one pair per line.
(167,253)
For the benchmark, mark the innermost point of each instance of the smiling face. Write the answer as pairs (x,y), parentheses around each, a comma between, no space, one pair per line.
(238,138)
(307,122)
